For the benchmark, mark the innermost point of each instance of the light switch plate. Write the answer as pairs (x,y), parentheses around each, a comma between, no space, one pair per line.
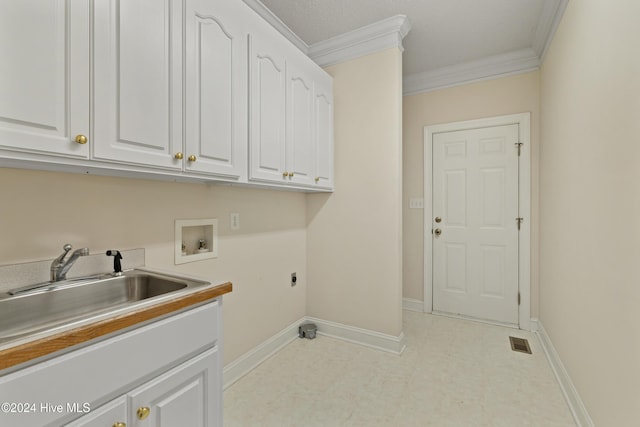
(416,203)
(234,221)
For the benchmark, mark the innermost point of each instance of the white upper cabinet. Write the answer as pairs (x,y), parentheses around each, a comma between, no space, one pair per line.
(188,89)
(291,132)
(138,82)
(267,108)
(300,143)
(216,88)
(323,97)
(44,76)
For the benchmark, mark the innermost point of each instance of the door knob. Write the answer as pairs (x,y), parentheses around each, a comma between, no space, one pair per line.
(143,412)
(438,219)
(81,139)
(437,232)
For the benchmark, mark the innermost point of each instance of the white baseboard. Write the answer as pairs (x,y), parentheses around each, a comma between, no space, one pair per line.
(365,337)
(413,305)
(251,359)
(254,357)
(578,410)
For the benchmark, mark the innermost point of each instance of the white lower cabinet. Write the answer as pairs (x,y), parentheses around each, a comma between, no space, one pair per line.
(164,374)
(185,396)
(108,415)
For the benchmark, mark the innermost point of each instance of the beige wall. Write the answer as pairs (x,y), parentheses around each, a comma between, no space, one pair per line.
(40,211)
(508,95)
(590,204)
(354,235)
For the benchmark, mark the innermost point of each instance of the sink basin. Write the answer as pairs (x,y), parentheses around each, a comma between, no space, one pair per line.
(60,303)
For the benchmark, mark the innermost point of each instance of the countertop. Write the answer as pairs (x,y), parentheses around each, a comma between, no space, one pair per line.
(44,344)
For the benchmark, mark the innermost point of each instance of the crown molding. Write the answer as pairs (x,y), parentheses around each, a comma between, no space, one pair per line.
(516,62)
(372,38)
(552,13)
(276,23)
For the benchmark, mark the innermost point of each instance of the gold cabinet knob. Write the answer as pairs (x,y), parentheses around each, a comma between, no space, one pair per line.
(317,179)
(285,174)
(178,156)
(192,158)
(143,412)
(290,174)
(119,424)
(81,139)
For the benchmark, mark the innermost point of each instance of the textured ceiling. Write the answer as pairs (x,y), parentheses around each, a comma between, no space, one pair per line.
(443,32)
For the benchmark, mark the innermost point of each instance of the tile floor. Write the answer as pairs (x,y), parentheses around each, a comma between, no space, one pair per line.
(453,373)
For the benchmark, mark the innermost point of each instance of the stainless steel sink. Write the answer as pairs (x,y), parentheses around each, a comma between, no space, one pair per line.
(60,303)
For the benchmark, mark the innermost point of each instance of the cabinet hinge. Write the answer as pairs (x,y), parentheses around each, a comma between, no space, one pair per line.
(519,145)
(519,222)
(518,298)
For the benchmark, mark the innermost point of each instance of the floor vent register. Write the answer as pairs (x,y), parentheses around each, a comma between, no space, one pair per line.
(520,344)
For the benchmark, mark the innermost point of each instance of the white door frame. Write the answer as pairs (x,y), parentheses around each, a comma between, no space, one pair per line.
(523,120)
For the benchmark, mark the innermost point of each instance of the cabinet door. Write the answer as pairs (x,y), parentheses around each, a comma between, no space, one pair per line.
(267,109)
(188,395)
(107,415)
(300,144)
(44,88)
(216,87)
(137,112)
(323,97)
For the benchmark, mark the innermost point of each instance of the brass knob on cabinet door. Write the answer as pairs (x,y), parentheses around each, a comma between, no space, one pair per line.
(285,174)
(143,412)
(119,424)
(191,158)
(317,179)
(290,174)
(179,156)
(81,139)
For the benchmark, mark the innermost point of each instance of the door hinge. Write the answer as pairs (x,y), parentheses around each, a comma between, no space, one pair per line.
(518,298)
(519,145)
(519,222)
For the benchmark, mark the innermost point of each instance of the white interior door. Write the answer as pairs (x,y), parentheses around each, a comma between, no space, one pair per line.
(475,231)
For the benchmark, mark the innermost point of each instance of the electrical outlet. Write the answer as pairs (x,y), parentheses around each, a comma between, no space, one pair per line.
(234,221)
(294,279)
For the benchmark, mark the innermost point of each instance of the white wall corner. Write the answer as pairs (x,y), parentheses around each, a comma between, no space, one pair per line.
(533,325)
(254,357)
(578,410)
(369,39)
(550,18)
(516,62)
(411,304)
(276,23)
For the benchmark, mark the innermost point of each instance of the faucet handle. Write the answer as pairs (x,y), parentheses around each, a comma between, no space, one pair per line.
(117,256)
(66,248)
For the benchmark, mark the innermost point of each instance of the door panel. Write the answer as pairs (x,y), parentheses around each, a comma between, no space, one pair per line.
(475,191)
(300,125)
(215,87)
(138,82)
(267,118)
(44,89)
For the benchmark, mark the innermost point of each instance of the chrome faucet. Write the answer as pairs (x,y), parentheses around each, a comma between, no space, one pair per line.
(60,267)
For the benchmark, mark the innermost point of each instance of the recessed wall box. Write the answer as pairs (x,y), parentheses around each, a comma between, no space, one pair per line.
(191,233)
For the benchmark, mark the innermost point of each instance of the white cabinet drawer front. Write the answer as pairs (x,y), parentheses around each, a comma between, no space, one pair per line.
(103,370)
(44,89)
